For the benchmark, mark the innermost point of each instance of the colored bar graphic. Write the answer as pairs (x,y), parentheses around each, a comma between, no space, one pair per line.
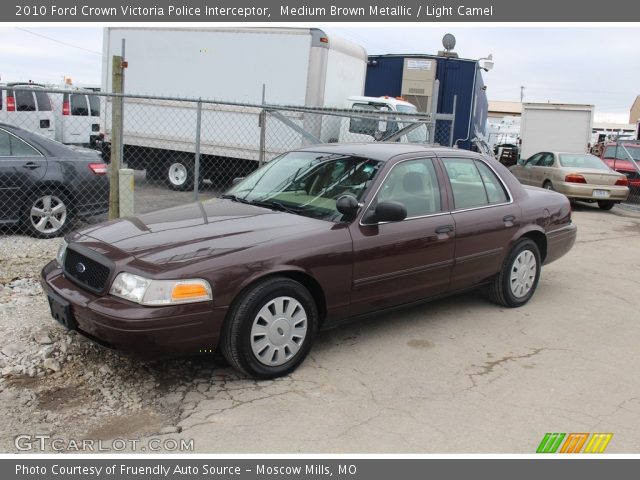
(598,443)
(550,443)
(574,442)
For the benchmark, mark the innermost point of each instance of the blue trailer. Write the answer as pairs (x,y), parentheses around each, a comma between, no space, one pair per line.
(403,76)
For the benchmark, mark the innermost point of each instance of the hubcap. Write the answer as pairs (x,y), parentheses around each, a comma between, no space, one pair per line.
(523,273)
(48,214)
(278,331)
(177,173)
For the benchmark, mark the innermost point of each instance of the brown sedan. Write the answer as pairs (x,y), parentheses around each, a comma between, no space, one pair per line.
(313,238)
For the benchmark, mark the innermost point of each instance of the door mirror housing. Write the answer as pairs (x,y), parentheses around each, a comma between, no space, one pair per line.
(236,181)
(389,212)
(347,205)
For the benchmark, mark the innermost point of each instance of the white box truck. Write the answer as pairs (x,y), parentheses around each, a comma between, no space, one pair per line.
(297,66)
(555,127)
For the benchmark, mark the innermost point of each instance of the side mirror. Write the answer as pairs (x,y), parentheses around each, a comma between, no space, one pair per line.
(236,181)
(389,212)
(347,205)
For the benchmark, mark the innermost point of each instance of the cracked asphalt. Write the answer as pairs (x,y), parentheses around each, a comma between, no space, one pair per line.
(460,375)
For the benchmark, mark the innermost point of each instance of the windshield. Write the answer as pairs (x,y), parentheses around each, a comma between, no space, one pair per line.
(418,134)
(306,183)
(581,160)
(619,153)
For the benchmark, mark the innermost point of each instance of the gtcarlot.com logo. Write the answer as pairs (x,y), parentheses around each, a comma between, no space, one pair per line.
(46,443)
(573,443)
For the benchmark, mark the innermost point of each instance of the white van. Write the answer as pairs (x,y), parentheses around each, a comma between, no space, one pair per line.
(29,108)
(77,116)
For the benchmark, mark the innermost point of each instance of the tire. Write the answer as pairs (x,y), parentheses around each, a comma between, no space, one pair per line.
(548,185)
(270,328)
(605,204)
(179,174)
(47,214)
(509,288)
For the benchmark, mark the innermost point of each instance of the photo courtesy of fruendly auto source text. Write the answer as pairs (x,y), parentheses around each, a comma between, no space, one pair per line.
(253,240)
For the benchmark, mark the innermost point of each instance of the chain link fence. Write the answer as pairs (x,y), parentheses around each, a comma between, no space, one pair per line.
(173,150)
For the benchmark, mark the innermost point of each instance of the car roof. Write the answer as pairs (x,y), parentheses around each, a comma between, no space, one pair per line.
(381,151)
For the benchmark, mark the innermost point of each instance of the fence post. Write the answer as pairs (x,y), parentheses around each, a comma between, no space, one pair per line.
(262,123)
(116,138)
(196,171)
(453,120)
(434,111)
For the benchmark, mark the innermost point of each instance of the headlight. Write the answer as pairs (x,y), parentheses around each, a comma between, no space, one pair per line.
(61,252)
(160,292)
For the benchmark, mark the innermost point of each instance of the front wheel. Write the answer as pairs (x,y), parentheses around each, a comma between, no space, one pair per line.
(605,205)
(270,329)
(517,281)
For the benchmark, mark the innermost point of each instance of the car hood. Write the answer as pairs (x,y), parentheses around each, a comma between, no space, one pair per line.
(193,232)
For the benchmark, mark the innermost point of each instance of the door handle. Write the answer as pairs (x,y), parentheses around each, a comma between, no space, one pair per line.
(444,229)
(31,165)
(508,218)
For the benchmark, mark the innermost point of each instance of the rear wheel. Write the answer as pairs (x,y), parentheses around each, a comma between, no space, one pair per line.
(179,174)
(548,185)
(47,214)
(517,281)
(605,204)
(270,329)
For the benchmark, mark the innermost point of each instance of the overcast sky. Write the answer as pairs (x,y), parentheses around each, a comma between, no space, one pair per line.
(561,64)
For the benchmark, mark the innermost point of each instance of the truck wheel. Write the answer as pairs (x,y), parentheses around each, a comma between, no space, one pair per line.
(517,281)
(605,204)
(179,175)
(270,329)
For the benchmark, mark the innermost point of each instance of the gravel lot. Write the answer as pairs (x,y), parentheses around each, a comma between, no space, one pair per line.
(458,375)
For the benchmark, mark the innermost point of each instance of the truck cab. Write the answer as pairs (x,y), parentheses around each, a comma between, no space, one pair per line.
(356,129)
(623,157)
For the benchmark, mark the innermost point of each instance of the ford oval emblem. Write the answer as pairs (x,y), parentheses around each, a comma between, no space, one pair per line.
(80,268)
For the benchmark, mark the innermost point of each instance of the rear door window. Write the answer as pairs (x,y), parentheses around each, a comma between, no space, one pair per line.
(12,146)
(78,105)
(25,101)
(44,103)
(94,105)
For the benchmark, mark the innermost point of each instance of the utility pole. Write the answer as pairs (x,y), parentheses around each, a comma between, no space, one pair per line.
(521,93)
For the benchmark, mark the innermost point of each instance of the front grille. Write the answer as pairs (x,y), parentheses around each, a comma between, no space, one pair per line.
(85,271)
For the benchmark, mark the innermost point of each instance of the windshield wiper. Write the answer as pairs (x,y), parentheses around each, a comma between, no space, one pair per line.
(275,205)
(235,198)
(271,204)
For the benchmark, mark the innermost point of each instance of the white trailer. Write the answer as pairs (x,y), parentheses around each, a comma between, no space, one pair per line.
(296,66)
(559,127)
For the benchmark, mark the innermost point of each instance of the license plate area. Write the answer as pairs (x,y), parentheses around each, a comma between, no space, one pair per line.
(601,193)
(61,311)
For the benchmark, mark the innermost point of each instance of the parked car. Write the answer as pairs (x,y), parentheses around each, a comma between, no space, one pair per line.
(579,176)
(77,117)
(44,185)
(26,105)
(617,155)
(310,239)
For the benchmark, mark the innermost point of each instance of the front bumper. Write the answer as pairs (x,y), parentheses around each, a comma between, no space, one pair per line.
(585,191)
(148,332)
